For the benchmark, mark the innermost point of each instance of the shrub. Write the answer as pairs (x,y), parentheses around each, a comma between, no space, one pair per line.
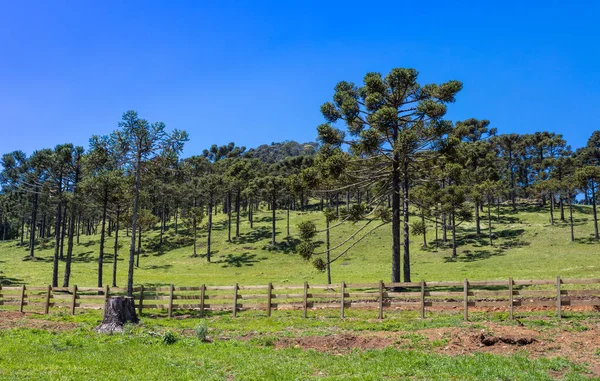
(170,337)
(201,331)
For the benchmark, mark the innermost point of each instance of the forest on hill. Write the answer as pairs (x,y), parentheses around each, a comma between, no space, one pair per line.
(385,158)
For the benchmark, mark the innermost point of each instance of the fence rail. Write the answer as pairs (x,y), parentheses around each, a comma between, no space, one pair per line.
(420,296)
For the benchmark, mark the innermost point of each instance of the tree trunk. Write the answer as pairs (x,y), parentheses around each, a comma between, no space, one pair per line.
(288,220)
(273,207)
(250,213)
(102,237)
(594,210)
(229,216)
(477,219)
(139,247)
(571,218)
(328,259)
(56,244)
(136,197)
(454,255)
(67,275)
(237,214)
(118,310)
(562,208)
(116,252)
(490,220)
(395,217)
(63,233)
(33,224)
(405,211)
(209,226)
(551,209)
(195,230)
(424,229)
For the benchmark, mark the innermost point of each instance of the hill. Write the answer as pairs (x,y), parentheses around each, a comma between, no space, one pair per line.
(526,246)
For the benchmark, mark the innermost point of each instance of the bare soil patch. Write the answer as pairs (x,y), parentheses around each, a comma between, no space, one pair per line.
(579,346)
(14,319)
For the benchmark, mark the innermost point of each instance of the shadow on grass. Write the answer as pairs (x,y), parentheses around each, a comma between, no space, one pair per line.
(287,247)
(157,267)
(238,260)
(9,281)
(258,234)
(587,240)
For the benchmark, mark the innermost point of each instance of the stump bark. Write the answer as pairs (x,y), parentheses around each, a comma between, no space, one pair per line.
(118,310)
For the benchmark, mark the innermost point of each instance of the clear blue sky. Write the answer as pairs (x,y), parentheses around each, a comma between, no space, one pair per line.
(257,72)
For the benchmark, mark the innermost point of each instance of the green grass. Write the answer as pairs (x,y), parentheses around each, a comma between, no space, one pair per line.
(143,353)
(527,247)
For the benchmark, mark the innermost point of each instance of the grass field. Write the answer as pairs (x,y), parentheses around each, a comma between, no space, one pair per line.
(64,347)
(288,347)
(527,247)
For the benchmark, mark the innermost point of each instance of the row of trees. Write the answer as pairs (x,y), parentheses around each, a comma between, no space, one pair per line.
(387,157)
(390,136)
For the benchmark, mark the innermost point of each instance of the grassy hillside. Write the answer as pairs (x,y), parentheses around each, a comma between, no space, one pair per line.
(526,247)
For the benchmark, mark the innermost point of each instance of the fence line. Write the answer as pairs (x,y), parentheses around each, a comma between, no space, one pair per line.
(420,296)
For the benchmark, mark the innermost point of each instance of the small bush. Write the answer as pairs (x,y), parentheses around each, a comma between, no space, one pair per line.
(201,331)
(170,337)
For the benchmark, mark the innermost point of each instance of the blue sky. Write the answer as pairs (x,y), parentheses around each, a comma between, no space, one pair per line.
(257,72)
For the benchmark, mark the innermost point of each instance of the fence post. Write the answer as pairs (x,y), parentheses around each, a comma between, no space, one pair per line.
(511,306)
(380,300)
(422,299)
(269,291)
(558,298)
(235,296)
(202,296)
(342,301)
(22,298)
(74,302)
(305,301)
(466,299)
(141,305)
(171,289)
(47,304)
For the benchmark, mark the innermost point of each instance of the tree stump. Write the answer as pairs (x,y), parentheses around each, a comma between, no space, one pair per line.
(118,310)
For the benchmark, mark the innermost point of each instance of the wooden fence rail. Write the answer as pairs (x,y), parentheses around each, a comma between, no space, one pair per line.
(508,295)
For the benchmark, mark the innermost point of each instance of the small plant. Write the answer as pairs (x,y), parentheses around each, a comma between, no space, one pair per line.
(201,331)
(169,337)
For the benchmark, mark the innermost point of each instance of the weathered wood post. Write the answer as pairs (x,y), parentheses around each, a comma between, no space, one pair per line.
(235,297)
(74,301)
(141,302)
(305,300)
(466,299)
(47,303)
(422,299)
(558,298)
(269,295)
(202,297)
(511,305)
(171,289)
(380,300)
(343,298)
(22,302)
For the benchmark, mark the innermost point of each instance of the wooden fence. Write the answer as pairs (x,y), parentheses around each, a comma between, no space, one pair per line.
(497,295)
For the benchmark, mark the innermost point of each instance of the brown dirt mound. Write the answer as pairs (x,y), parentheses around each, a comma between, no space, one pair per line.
(488,339)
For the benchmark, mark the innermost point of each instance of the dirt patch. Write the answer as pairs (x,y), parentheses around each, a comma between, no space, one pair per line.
(336,343)
(487,339)
(579,346)
(13,319)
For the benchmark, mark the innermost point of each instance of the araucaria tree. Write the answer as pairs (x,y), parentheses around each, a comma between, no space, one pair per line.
(138,143)
(393,123)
